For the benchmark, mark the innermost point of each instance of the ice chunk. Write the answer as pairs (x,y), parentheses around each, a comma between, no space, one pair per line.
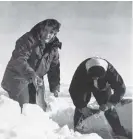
(38,117)
(64,117)
(9,111)
(64,131)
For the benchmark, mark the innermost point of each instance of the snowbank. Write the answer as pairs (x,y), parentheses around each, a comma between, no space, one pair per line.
(56,123)
(33,123)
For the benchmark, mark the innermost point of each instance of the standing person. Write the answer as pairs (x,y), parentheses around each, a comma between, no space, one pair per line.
(35,55)
(98,76)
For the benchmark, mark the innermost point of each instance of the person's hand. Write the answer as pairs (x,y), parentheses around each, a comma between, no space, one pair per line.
(86,111)
(107,106)
(37,81)
(55,92)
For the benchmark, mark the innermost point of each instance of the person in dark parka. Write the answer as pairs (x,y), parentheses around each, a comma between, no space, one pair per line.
(98,76)
(35,55)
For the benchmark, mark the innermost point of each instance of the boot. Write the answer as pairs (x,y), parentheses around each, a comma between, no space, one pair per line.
(123,132)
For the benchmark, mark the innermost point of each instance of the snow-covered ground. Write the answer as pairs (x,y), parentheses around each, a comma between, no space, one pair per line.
(33,123)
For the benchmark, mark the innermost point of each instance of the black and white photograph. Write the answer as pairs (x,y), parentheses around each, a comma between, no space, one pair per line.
(66,70)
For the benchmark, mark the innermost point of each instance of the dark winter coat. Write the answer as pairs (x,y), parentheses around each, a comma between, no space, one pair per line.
(81,84)
(22,65)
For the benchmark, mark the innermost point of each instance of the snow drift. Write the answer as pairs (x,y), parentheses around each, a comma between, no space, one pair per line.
(33,123)
(56,123)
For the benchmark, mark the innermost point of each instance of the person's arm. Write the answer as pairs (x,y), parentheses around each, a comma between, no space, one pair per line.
(54,73)
(78,88)
(20,56)
(117,84)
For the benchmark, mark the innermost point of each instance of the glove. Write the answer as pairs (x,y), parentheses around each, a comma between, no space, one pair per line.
(37,81)
(86,111)
(107,106)
(55,93)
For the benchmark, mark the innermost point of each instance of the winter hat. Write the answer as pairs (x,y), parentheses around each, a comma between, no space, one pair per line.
(96,67)
(96,71)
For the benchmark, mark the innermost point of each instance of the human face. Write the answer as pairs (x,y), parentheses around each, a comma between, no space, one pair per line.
(48,34)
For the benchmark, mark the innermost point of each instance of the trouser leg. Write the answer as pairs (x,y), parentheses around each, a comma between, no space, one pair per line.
(32,93)
(111,114)
(41,98)
(37,97)
(77,114)
(79,117)
(113,119)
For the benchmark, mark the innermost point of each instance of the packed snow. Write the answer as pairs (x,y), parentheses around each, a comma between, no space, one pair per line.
(34,123)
